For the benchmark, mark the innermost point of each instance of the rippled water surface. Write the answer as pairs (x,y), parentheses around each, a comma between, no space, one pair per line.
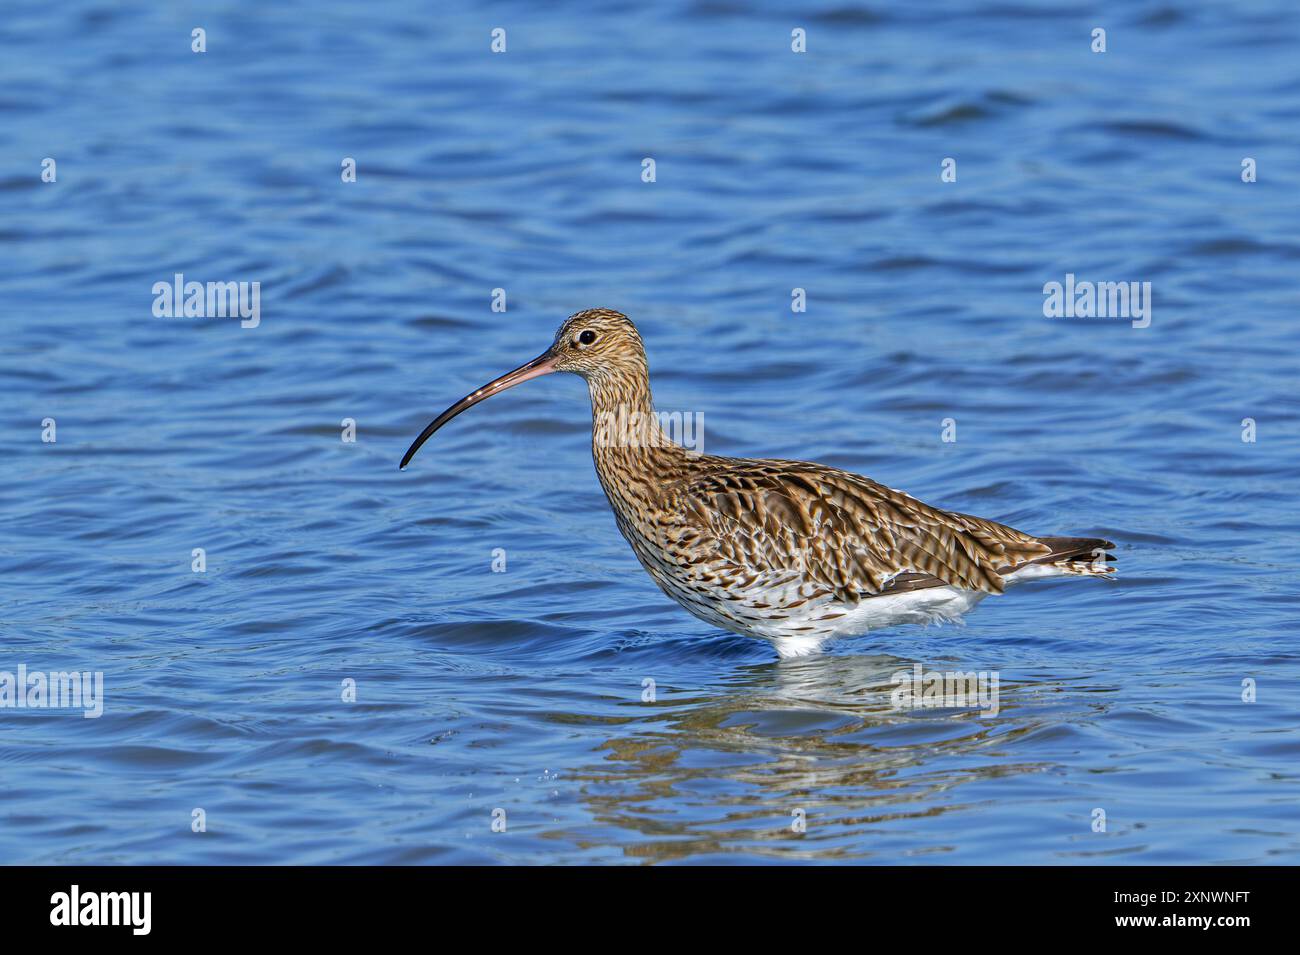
(523,690)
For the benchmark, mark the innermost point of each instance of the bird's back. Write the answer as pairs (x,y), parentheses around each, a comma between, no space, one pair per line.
(752,544)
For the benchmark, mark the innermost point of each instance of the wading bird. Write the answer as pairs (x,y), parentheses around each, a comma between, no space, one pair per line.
(787,551)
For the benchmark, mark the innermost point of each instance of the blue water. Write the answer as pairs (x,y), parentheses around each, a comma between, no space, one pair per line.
(522,690)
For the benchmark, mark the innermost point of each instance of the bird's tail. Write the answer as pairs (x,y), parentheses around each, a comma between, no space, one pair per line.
(1078,555)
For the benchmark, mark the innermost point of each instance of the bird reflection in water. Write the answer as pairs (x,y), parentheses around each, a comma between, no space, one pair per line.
(727,772)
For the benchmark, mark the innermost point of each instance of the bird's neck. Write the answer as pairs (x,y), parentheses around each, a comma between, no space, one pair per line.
(634,456)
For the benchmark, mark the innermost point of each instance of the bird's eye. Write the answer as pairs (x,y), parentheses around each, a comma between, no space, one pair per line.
(587,337)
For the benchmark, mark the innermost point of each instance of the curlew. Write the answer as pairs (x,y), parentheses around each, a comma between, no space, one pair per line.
(787,551)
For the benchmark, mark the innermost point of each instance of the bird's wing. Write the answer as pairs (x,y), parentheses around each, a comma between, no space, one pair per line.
(840,531)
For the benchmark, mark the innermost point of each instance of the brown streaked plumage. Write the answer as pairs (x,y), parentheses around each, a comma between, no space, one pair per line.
(788,551)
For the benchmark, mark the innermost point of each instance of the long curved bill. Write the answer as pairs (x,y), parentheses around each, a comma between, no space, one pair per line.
(543,364)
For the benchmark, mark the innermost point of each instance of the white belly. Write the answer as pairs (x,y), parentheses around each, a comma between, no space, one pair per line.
(784,613)
(933,605)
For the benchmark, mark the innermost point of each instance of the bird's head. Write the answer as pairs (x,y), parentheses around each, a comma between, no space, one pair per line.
(599,344)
